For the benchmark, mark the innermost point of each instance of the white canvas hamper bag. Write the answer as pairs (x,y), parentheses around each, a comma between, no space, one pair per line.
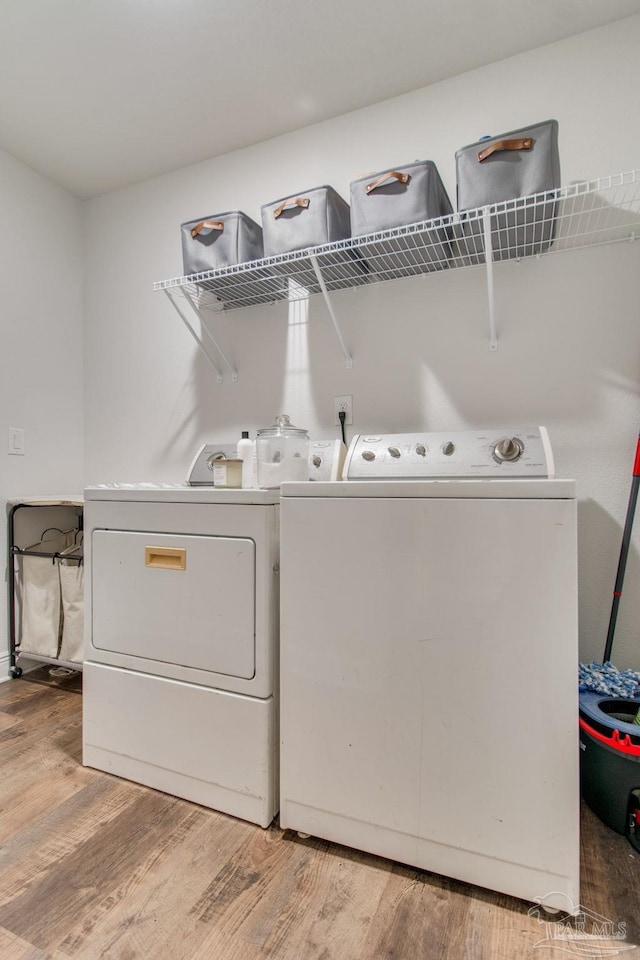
(71,571)
(40,600)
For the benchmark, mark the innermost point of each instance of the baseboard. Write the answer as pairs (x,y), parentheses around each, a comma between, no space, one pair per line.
(5,668)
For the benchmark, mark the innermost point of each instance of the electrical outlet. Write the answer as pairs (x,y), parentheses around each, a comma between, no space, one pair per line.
(340,404)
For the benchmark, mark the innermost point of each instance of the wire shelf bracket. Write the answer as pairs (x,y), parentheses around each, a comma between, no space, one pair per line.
(198,339)
(327,299)
(488,253)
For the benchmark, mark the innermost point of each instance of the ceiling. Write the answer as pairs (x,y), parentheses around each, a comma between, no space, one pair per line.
(97,94)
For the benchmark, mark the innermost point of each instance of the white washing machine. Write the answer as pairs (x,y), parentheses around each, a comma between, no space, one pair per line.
(180,680)
(429,659)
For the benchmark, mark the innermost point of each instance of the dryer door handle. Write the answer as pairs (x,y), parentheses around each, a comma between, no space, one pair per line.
(165,558)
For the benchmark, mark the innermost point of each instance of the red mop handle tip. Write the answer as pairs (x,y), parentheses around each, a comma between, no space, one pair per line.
(636,465)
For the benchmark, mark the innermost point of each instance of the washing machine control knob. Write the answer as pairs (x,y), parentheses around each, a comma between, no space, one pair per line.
(448,448)
(395,453)
(368,455)
(508,449)
(421,450)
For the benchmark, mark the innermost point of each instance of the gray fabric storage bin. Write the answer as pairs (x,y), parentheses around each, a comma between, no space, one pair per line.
(310,219)
(397,197)
(504,168)
(307,219)
(221,240)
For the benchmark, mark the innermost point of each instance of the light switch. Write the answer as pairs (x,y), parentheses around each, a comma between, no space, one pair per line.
(16,441)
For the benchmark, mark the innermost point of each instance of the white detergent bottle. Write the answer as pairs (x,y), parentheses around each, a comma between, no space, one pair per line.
(247,453)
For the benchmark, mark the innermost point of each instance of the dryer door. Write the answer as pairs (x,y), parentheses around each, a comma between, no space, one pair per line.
(186,600)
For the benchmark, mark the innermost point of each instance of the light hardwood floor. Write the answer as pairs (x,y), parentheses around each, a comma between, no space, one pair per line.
(95,867)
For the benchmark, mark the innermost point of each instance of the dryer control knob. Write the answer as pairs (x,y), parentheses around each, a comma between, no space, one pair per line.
(421,450)
(395,453)
(448,448)
(316,460)
(509,449)
(368,455)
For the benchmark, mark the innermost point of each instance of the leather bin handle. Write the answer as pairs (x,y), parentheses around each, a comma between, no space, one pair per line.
(525,143)
(212,224)
(391,175)
(302,202)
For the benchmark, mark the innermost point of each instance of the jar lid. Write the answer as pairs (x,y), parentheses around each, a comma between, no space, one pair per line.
(282,428)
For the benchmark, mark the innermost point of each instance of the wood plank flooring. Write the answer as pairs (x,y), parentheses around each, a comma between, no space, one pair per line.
(92,866)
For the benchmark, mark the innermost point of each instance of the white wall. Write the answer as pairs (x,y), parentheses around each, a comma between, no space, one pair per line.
(568,325)
(41,361)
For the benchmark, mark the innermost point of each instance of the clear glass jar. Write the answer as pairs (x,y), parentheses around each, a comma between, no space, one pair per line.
(282,452)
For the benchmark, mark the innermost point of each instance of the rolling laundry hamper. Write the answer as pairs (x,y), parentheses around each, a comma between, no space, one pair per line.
(45,572)
(610,761)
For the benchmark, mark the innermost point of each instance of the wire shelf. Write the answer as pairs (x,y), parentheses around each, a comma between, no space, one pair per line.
(588,213)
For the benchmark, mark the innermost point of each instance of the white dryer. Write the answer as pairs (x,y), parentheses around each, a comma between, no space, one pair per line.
(180,687)
(431,716)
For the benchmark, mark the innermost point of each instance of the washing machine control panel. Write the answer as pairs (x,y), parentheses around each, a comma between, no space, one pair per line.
(499,452)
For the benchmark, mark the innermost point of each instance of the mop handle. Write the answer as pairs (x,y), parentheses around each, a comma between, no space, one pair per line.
(624,551)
